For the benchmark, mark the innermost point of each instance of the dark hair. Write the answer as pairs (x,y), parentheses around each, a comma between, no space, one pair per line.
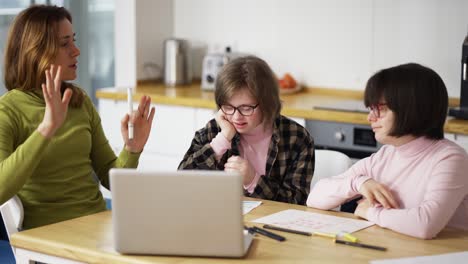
(255,75)
(416,94)
(31,48)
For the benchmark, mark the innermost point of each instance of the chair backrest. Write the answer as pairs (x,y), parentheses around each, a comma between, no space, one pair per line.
(329,163)
(12,214)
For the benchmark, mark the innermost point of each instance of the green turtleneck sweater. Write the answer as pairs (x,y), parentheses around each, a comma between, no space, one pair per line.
(54,177)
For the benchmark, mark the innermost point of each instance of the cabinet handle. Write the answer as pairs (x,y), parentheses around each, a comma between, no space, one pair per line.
(464,71)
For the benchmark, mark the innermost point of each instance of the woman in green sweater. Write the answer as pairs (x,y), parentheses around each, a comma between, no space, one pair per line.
(51,138)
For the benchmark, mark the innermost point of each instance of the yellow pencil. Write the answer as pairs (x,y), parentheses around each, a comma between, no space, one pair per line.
(323,234)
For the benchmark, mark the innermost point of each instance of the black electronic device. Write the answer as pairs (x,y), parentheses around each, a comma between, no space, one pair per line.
(462,111)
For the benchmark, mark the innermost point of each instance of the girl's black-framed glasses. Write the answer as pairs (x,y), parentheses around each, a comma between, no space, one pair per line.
(245,110)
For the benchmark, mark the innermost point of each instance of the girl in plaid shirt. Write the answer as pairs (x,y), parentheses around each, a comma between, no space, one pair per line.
(274,154)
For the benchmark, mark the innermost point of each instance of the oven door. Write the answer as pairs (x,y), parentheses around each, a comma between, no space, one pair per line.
(356,141)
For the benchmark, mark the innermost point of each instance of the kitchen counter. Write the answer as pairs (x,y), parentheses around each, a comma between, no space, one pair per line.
(300,105)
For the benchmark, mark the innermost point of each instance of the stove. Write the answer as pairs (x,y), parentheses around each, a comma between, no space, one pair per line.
(356,141)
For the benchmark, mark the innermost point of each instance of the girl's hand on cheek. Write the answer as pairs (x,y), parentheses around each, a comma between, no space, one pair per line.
(227,129)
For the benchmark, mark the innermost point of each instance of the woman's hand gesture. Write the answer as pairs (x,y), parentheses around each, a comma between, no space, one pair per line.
(56,106)
(142,119)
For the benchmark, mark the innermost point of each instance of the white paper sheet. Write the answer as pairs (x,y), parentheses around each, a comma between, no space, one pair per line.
(249,206)
(312,222)
(450,258)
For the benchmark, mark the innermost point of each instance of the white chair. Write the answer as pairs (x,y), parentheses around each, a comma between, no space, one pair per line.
(12,214)
(107,196)
(329,163)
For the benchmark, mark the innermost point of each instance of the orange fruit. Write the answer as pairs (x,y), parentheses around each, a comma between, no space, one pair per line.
(289,81)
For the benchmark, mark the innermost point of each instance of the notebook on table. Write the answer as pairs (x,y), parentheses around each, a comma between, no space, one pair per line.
(186,213)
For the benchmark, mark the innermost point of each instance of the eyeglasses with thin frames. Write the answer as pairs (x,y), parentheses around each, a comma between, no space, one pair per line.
(245,110)
(376,110)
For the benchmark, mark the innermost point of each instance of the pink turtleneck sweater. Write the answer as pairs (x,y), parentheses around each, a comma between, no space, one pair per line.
(429,179)
(253,148)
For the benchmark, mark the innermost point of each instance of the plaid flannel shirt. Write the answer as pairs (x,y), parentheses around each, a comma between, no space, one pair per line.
(290,162)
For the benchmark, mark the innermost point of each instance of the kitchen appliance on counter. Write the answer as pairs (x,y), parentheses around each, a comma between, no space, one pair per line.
(177,62)
(462,111)
(212,64)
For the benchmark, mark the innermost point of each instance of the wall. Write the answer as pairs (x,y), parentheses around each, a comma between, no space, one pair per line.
(155,23)
(125,43)
(430,32)
(335,43)
(140,29)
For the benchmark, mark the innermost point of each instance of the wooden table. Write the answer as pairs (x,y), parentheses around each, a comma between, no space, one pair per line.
(89,239)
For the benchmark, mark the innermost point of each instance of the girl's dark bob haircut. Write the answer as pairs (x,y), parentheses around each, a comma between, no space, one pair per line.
(416,94)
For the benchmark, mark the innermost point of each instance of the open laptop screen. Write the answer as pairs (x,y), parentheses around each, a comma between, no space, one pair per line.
(196,213)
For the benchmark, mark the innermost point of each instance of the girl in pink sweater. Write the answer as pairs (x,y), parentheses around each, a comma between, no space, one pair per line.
(417,183)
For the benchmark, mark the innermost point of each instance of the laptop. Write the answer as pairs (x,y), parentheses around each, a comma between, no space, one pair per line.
(184,213)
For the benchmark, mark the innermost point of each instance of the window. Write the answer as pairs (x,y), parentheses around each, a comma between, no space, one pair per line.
(93,21)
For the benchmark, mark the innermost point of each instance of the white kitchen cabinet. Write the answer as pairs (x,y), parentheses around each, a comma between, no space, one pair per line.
(172,131)
(202,116)
(300,121)
(111,112)
(159,161)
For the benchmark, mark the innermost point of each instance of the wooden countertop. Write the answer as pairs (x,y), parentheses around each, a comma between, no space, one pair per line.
(299,104)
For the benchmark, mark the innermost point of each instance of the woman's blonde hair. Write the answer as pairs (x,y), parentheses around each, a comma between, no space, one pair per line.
(254,75)
(32,46)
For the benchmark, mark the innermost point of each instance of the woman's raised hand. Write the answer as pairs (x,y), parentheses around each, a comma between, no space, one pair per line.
(56,106)
(142,119)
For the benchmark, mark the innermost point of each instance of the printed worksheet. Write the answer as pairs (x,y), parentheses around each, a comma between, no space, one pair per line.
(312,222)
(248,206)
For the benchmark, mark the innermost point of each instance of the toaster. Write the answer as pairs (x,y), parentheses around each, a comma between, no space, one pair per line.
(212,65)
